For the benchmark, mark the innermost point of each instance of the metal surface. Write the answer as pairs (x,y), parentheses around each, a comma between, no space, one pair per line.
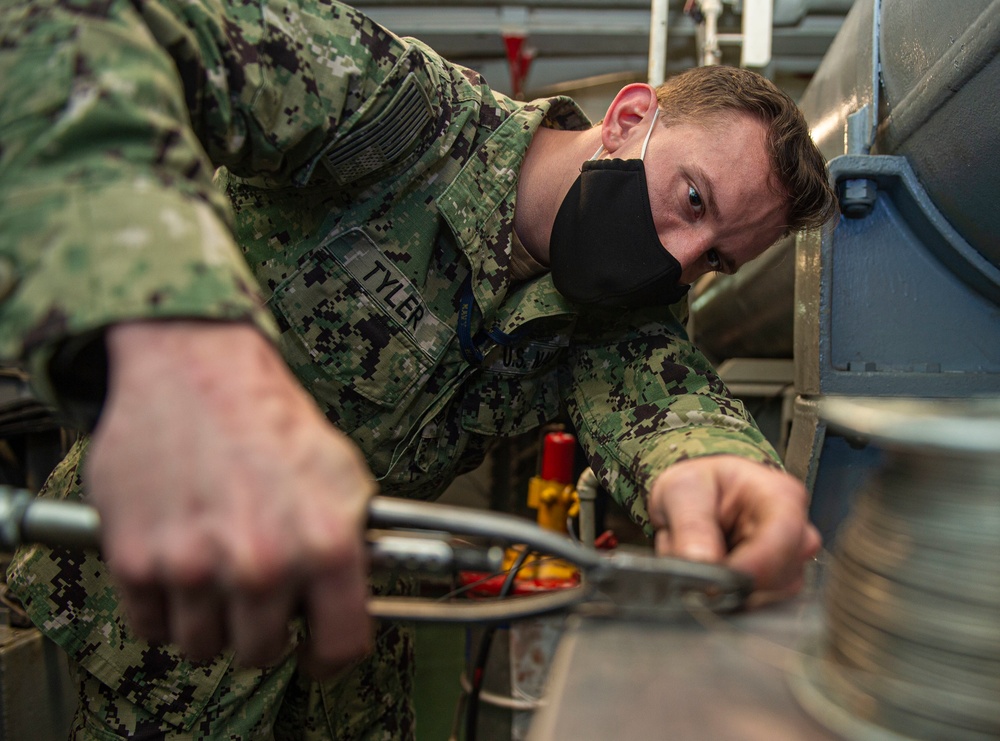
(890,314)
(24,519)
(881,289)
(920,425)
(723,679)
(895,304)
(659,21)
(429,554)
(897,639)
(940,115)
(941,73)
(901,298)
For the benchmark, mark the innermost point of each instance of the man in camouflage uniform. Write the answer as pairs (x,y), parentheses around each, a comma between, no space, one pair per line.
(377,254)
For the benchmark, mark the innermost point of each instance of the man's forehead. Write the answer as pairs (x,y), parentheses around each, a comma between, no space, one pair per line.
(714,120)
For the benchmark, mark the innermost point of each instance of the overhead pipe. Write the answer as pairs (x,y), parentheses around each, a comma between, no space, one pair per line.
(711,53)
(658,20)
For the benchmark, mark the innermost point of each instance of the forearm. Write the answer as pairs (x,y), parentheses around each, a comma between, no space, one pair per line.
(663,405)
(628,466)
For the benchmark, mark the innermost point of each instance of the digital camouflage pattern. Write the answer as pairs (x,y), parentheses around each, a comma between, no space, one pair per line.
(131,689)
(371,188)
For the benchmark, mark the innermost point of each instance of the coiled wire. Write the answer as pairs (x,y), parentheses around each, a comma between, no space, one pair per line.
(912,645)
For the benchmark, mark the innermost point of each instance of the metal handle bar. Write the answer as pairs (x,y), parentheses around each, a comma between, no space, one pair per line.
(25,520)
(618,581)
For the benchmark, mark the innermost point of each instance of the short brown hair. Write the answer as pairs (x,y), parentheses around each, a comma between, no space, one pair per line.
(796,161)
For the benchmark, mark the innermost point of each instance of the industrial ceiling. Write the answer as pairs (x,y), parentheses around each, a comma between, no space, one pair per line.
(576,44)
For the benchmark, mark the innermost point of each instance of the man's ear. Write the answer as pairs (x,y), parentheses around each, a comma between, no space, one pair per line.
(628,116)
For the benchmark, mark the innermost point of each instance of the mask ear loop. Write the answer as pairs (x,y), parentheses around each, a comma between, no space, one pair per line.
(645,142)
(649,133)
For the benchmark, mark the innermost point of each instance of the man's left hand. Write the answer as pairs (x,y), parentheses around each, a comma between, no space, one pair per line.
(728,509)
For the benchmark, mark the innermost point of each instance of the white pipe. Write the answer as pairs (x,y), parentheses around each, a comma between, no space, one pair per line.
(711,53)
(658,16)
(586,490)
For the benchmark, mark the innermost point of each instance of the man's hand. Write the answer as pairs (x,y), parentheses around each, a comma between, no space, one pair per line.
(229,504)
(727,508)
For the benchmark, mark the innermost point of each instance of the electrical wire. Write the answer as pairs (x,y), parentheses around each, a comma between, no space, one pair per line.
(457,591)
(501,701)
(482,654)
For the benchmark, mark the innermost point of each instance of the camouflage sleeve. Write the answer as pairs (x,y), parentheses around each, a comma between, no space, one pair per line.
(114,116)
(646,399)
(108,210)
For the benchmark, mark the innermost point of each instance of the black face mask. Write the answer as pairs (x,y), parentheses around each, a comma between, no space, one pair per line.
(604,248)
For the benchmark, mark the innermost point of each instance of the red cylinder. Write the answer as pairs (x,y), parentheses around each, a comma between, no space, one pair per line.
(558,452)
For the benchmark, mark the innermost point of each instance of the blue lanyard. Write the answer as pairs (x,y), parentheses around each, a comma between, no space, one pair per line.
(466,342)
(469,343)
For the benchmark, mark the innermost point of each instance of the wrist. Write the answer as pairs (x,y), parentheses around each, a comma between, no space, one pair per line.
(213,361)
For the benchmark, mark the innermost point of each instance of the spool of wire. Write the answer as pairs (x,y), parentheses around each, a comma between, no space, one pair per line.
(912,639)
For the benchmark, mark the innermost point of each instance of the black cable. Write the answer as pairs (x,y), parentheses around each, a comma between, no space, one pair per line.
(479,582)
(485,643)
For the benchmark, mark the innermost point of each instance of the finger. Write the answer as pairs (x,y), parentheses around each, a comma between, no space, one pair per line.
(661,542)
(259,626)
(773,555)
(142,597)
(197,622)
(693,528)
(811,543)
(263,579)
(339,627)
(146,611)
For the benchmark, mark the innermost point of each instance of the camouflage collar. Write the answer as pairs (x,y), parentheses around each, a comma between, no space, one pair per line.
(479,207)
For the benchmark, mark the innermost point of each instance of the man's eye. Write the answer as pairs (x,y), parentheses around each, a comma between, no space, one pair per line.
(713,259)
(695,200)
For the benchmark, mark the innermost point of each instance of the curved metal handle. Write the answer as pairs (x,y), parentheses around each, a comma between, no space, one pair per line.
(25,519)
(621,583)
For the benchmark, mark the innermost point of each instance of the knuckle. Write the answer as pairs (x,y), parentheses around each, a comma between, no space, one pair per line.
(259,569)
(130,562)
(186,568)
(197,649)
(336,546)
(145,619)
(693,524)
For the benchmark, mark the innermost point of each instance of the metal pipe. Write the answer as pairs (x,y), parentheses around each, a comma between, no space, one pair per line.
(25,519)
(658,19)
(391,512)
(710,51)
(966,58)
(586,490)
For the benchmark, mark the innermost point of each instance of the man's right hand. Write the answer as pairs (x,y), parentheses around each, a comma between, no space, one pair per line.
(229,504)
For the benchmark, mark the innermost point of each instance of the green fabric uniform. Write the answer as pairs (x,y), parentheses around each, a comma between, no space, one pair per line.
(371,190)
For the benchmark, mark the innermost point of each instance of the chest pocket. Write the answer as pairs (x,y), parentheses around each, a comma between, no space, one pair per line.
(356,330)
